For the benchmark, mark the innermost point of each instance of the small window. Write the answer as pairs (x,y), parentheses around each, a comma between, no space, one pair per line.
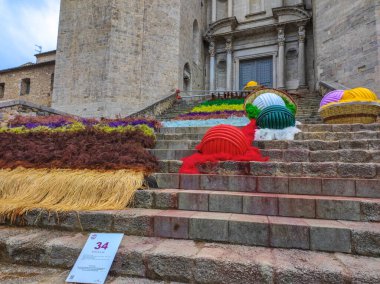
(2,90)
(51,82)
(25,87)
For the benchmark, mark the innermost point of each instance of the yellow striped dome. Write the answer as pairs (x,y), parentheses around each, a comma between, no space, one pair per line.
(358,94)
(251,84)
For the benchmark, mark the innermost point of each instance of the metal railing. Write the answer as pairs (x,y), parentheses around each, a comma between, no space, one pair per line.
(214,94)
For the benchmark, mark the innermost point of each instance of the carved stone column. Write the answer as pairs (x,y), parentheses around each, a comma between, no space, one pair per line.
(213,11)
(301,56)
(230,8)
(229,64)
(211,50)
(281,58)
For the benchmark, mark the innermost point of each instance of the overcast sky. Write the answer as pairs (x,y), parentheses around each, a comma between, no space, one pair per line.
(23,24)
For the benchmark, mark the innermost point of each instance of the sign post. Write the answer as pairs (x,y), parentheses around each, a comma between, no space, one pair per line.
(96,258)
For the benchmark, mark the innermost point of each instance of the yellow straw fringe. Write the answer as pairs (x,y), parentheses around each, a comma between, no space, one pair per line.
(59,190)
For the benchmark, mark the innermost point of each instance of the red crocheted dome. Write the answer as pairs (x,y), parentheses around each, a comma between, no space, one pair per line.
(224,139)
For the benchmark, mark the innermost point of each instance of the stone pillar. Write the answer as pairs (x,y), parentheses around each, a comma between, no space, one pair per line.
(281,58)
(213,11)
(229,64)
(301,56)
(212,65)
(230,8)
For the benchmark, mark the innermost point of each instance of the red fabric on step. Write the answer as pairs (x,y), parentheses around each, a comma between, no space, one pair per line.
(190,163)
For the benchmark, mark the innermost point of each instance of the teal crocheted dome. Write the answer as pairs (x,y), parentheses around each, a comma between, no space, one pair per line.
(276,117)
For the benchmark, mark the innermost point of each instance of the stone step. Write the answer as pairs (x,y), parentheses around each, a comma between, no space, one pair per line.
(291,169)
(12,274)
(177,144)
(284,205)
(326,136)
(291,155)
(22,274)
(189,261)
(312,145)
(334,136)
(362,188)
(303,127)
(359,238)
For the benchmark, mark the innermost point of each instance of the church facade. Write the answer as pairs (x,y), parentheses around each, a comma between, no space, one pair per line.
(116,58)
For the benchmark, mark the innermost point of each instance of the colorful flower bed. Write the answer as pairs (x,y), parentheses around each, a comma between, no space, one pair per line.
(213,112)
(60,163)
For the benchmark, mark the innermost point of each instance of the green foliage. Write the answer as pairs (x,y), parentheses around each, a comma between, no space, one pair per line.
(252,111)
(290,106)
(148,131)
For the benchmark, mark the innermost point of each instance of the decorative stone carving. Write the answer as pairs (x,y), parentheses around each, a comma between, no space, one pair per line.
(301,33)
(229,45)
(281,35)
(212,49)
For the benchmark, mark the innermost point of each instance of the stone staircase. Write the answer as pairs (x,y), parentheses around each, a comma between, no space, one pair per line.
(308,105)
(180,107)
(311,214)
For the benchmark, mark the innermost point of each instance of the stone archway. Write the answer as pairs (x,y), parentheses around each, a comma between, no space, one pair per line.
(187,86)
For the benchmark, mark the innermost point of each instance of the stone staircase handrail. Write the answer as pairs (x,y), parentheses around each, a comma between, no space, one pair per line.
(325,87)
(12,103)
(158,107)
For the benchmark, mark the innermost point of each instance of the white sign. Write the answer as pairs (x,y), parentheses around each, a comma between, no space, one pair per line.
(96,258)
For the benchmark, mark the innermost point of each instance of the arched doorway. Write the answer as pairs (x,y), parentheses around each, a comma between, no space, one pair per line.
(187,78)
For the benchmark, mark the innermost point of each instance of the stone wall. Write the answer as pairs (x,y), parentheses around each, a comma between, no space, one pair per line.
(191,46)
(46,56)
(118,58)
(82,64)
(40,76)
(347,42)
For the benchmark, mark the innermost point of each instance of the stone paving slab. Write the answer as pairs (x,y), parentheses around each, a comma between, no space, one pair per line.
(205,226)
(287,205)
(195,262)
(366,188)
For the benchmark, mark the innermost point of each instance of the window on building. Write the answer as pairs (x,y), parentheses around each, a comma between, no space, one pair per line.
(25,87)
(196,42)
(256,6)
(2,90)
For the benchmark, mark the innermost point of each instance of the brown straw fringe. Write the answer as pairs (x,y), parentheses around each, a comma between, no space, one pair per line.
(61,190)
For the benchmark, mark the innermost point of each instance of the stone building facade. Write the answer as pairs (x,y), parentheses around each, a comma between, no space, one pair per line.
(266,41)
(31,82)
(117,58)
(347,42)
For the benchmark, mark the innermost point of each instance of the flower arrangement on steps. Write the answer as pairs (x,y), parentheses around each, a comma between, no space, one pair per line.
(211,113)
(273,111)
(359,105)
(61,164)
(224,143)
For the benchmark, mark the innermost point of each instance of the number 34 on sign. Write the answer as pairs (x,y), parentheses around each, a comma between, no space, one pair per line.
(96,258)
